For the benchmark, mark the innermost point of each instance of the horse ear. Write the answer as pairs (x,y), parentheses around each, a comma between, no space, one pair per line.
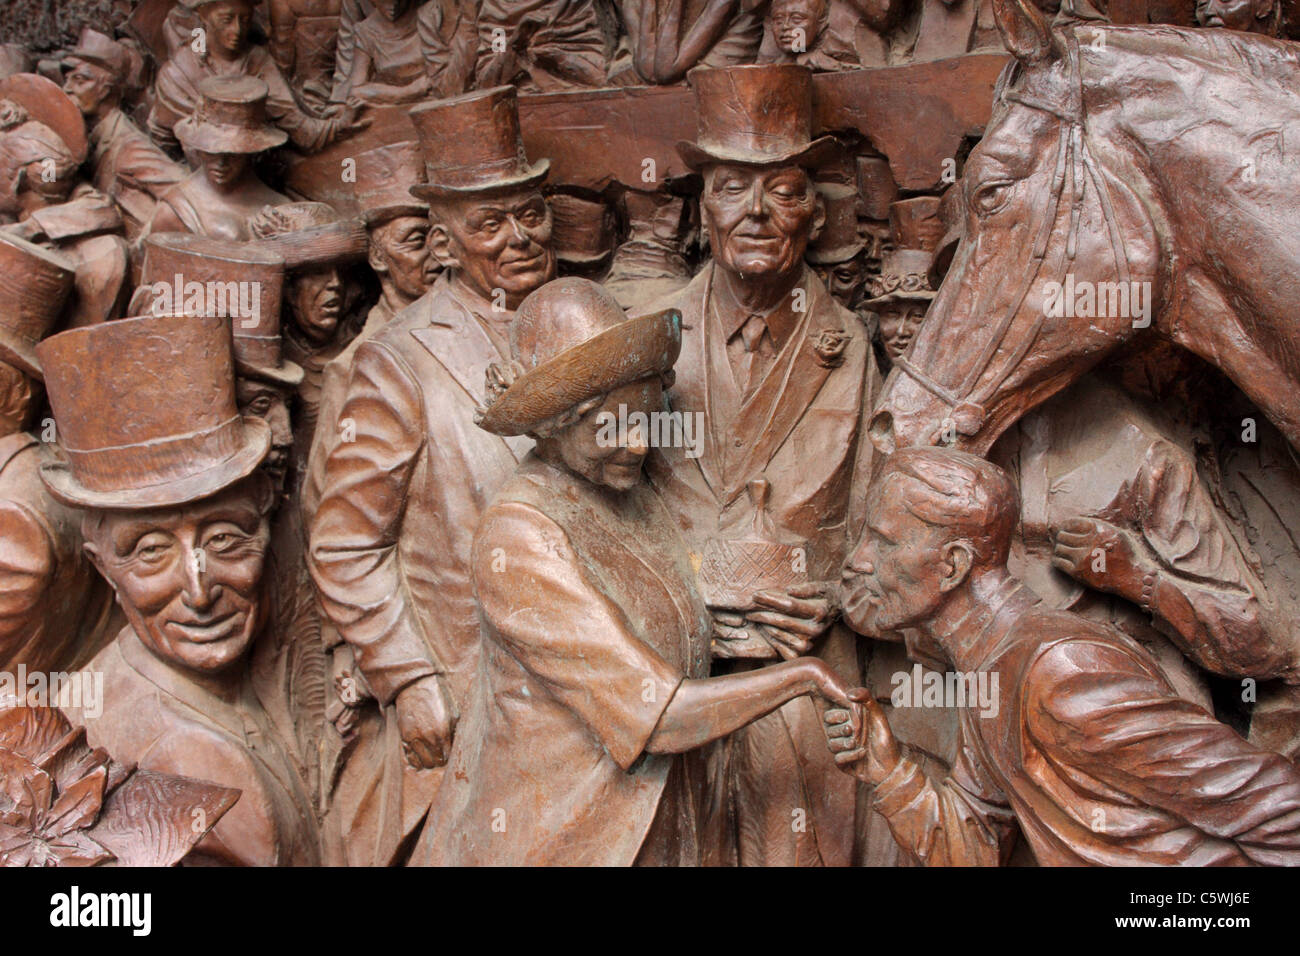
(1025,31)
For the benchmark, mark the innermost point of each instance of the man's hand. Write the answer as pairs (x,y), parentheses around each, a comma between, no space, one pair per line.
(860,738)
(791,620)
(1100,555)
(426,720)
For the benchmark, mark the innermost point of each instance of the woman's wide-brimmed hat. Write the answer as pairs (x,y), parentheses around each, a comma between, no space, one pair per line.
(758,115)
(471,144)
(34,286)
(574,343)
(904,274)
(47,104)
(230,118)
(146,414)
(239,281)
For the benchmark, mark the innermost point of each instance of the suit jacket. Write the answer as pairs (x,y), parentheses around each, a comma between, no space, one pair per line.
(1096,756)
(56,611)
(590,622)
(390,542)
(804,431)
(157,718)
(130,169)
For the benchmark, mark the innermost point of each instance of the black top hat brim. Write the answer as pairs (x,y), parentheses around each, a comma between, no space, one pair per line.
(531,176)
(65,488)
(816,153)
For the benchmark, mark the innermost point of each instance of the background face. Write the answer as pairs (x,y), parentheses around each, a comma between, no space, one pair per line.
(271,404)
(609,464)
(226,24)
(224,170)
(88,86)
(315,299)
(502,242)
(794,23)
(189,578)
(898,324)
(759,220)
(402,249)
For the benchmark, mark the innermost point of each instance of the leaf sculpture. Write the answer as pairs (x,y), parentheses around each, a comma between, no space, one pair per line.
(64,803)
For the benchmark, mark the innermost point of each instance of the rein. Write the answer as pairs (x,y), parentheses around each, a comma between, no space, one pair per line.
(1074,154)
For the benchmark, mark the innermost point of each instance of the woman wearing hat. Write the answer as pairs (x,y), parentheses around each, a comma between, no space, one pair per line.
(583,740)
(225,133)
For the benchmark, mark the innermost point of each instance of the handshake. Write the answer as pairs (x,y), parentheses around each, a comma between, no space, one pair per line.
(860,737)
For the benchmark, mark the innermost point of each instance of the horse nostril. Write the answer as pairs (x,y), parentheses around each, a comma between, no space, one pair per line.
(881,431)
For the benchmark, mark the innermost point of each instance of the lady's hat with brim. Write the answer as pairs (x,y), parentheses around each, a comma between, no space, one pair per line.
(146,413)
(842,236)
(904,275)
(34,286)
(471,144)
(582,231)
(308,235)
(230,118)
(221,269)
(759,115)
(384,175)
(48,105)
(103,51)
(574,343)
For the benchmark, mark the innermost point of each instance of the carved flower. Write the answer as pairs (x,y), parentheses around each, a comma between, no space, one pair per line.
(45,825)
(829,345)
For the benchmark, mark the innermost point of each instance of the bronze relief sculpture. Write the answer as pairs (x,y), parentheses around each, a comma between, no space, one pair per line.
(453,432)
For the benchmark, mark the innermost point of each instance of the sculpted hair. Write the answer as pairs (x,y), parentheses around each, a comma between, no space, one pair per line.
(966,496)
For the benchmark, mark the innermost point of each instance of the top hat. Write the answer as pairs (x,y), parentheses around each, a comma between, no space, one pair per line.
(175,259)
(34,285)
(383,176)
(146,413)
(308,235)
(230,117)
(758,115)
(46,103)
(916,222)
(103,51)
(575,343)
(876,186)
(904,274)
(583,230)
(471,143)
(842,236)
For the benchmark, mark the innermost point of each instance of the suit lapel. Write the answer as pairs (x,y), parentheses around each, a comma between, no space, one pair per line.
(777,405)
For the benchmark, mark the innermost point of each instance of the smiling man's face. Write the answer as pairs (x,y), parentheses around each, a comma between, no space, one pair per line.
(499,242)
(759,219)
(188,578)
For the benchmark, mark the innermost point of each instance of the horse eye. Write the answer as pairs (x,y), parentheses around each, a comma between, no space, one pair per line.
(992,197)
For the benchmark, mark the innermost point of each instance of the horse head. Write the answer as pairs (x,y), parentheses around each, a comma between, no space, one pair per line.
(1012,324)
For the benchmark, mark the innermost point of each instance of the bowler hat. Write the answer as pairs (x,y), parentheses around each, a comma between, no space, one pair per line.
(179,258)
(34,285)
(230,117)
(146,413)
(574,343)
(471,144)
(757,115)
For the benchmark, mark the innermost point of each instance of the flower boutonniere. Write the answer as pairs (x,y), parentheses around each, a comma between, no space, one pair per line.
(828,346)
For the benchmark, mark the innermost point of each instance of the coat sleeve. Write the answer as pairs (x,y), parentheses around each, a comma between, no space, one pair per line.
(543,607)
(86,212)
(1100,710)
(353,552)
(964,821)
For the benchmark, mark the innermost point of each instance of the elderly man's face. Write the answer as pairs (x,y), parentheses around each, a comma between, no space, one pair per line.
(843,279)
(89,86)
(258,399)
(399,254)
(891,580)
(1232,14)
(585,446)
(898,324)
(226,24)
(499,242)
(188,578)
(759,220)
(795,23)
(315,299)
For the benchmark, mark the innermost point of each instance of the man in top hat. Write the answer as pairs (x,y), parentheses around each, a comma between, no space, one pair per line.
(125,164)
(584,743)
(1078,740)
(226,132)
(56,612)
(226,51)
(42,147)
(390,542)
(582,233)
(181,534)
(784,378)
(838,255)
